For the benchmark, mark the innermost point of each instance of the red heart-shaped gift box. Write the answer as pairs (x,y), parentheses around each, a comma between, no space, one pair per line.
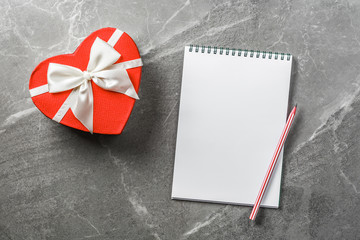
(111,110)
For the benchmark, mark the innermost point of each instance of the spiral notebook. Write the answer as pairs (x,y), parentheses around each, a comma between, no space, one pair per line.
(233,108)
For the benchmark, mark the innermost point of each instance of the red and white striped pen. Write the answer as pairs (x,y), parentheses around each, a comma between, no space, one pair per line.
(272,164)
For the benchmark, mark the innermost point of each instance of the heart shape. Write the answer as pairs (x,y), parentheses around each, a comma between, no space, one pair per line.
(111,110)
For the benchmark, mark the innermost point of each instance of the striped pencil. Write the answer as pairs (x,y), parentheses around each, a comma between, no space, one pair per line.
(272,164)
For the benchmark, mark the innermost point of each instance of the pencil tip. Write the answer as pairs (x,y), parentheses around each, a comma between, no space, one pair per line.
(296,105)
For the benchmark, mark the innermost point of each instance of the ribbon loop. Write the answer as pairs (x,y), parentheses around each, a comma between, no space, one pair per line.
(62,77)
(102,55)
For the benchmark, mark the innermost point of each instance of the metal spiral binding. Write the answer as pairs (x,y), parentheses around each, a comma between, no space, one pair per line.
(240,52)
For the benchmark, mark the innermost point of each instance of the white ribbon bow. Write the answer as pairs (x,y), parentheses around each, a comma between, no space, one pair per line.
(101,70)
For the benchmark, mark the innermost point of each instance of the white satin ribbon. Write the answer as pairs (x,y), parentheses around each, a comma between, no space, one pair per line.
(101,70)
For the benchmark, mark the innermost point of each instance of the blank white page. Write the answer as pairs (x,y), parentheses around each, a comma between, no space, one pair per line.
(232,112)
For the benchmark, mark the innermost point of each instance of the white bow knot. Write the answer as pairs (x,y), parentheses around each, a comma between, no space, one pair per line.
(102,70)
(87,75)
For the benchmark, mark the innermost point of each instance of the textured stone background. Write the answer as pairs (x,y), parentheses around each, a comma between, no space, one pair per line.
(59,183)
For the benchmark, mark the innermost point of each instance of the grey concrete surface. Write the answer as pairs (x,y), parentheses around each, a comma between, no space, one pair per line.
(60,183)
